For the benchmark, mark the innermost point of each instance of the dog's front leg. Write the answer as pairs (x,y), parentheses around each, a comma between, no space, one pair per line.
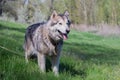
(55,64)
(56,59)
(41,62)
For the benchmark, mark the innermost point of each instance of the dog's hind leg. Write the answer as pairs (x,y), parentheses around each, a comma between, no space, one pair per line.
(41,62)
(26,56)
(28,52)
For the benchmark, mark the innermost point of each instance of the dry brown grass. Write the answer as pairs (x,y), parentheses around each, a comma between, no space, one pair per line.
(101,29)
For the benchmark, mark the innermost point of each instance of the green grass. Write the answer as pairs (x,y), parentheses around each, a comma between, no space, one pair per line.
(85,56)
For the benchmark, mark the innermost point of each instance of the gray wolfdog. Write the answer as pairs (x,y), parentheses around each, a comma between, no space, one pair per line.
(46,38)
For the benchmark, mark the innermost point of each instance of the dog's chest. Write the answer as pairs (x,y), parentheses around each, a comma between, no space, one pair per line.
(49,48)
(44,42)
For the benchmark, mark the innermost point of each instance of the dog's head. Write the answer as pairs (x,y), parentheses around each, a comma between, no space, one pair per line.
(60,25)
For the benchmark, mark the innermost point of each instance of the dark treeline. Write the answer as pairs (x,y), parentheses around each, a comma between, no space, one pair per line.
(82,11)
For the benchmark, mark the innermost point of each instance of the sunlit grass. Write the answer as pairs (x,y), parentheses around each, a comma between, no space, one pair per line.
(85,56)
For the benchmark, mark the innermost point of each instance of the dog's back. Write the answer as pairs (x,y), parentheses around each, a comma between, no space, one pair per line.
(31,29)
(29,38)
(37,39)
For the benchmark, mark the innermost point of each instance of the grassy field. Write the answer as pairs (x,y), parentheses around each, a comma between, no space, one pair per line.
(85,56)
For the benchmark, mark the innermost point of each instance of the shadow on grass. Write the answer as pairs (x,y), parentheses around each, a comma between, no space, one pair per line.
(10,33)
(94,53)
(2,27)
(70,69)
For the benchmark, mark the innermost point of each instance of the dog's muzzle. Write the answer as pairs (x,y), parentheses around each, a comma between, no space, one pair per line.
(67,31)
(64,35)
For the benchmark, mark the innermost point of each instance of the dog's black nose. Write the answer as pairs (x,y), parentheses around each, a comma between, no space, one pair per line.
(67,31)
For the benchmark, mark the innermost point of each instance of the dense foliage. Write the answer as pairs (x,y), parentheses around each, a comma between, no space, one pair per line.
(82,11)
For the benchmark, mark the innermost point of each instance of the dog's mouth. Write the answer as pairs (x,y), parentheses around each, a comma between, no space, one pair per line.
(63,35)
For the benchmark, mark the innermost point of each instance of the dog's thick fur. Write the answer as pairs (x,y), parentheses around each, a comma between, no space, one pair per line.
(46,38)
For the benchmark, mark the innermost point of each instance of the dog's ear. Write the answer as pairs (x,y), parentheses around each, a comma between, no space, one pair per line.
(66,13)
(53,15)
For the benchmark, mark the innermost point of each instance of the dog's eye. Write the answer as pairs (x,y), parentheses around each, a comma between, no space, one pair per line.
(60,23)
(68,23)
